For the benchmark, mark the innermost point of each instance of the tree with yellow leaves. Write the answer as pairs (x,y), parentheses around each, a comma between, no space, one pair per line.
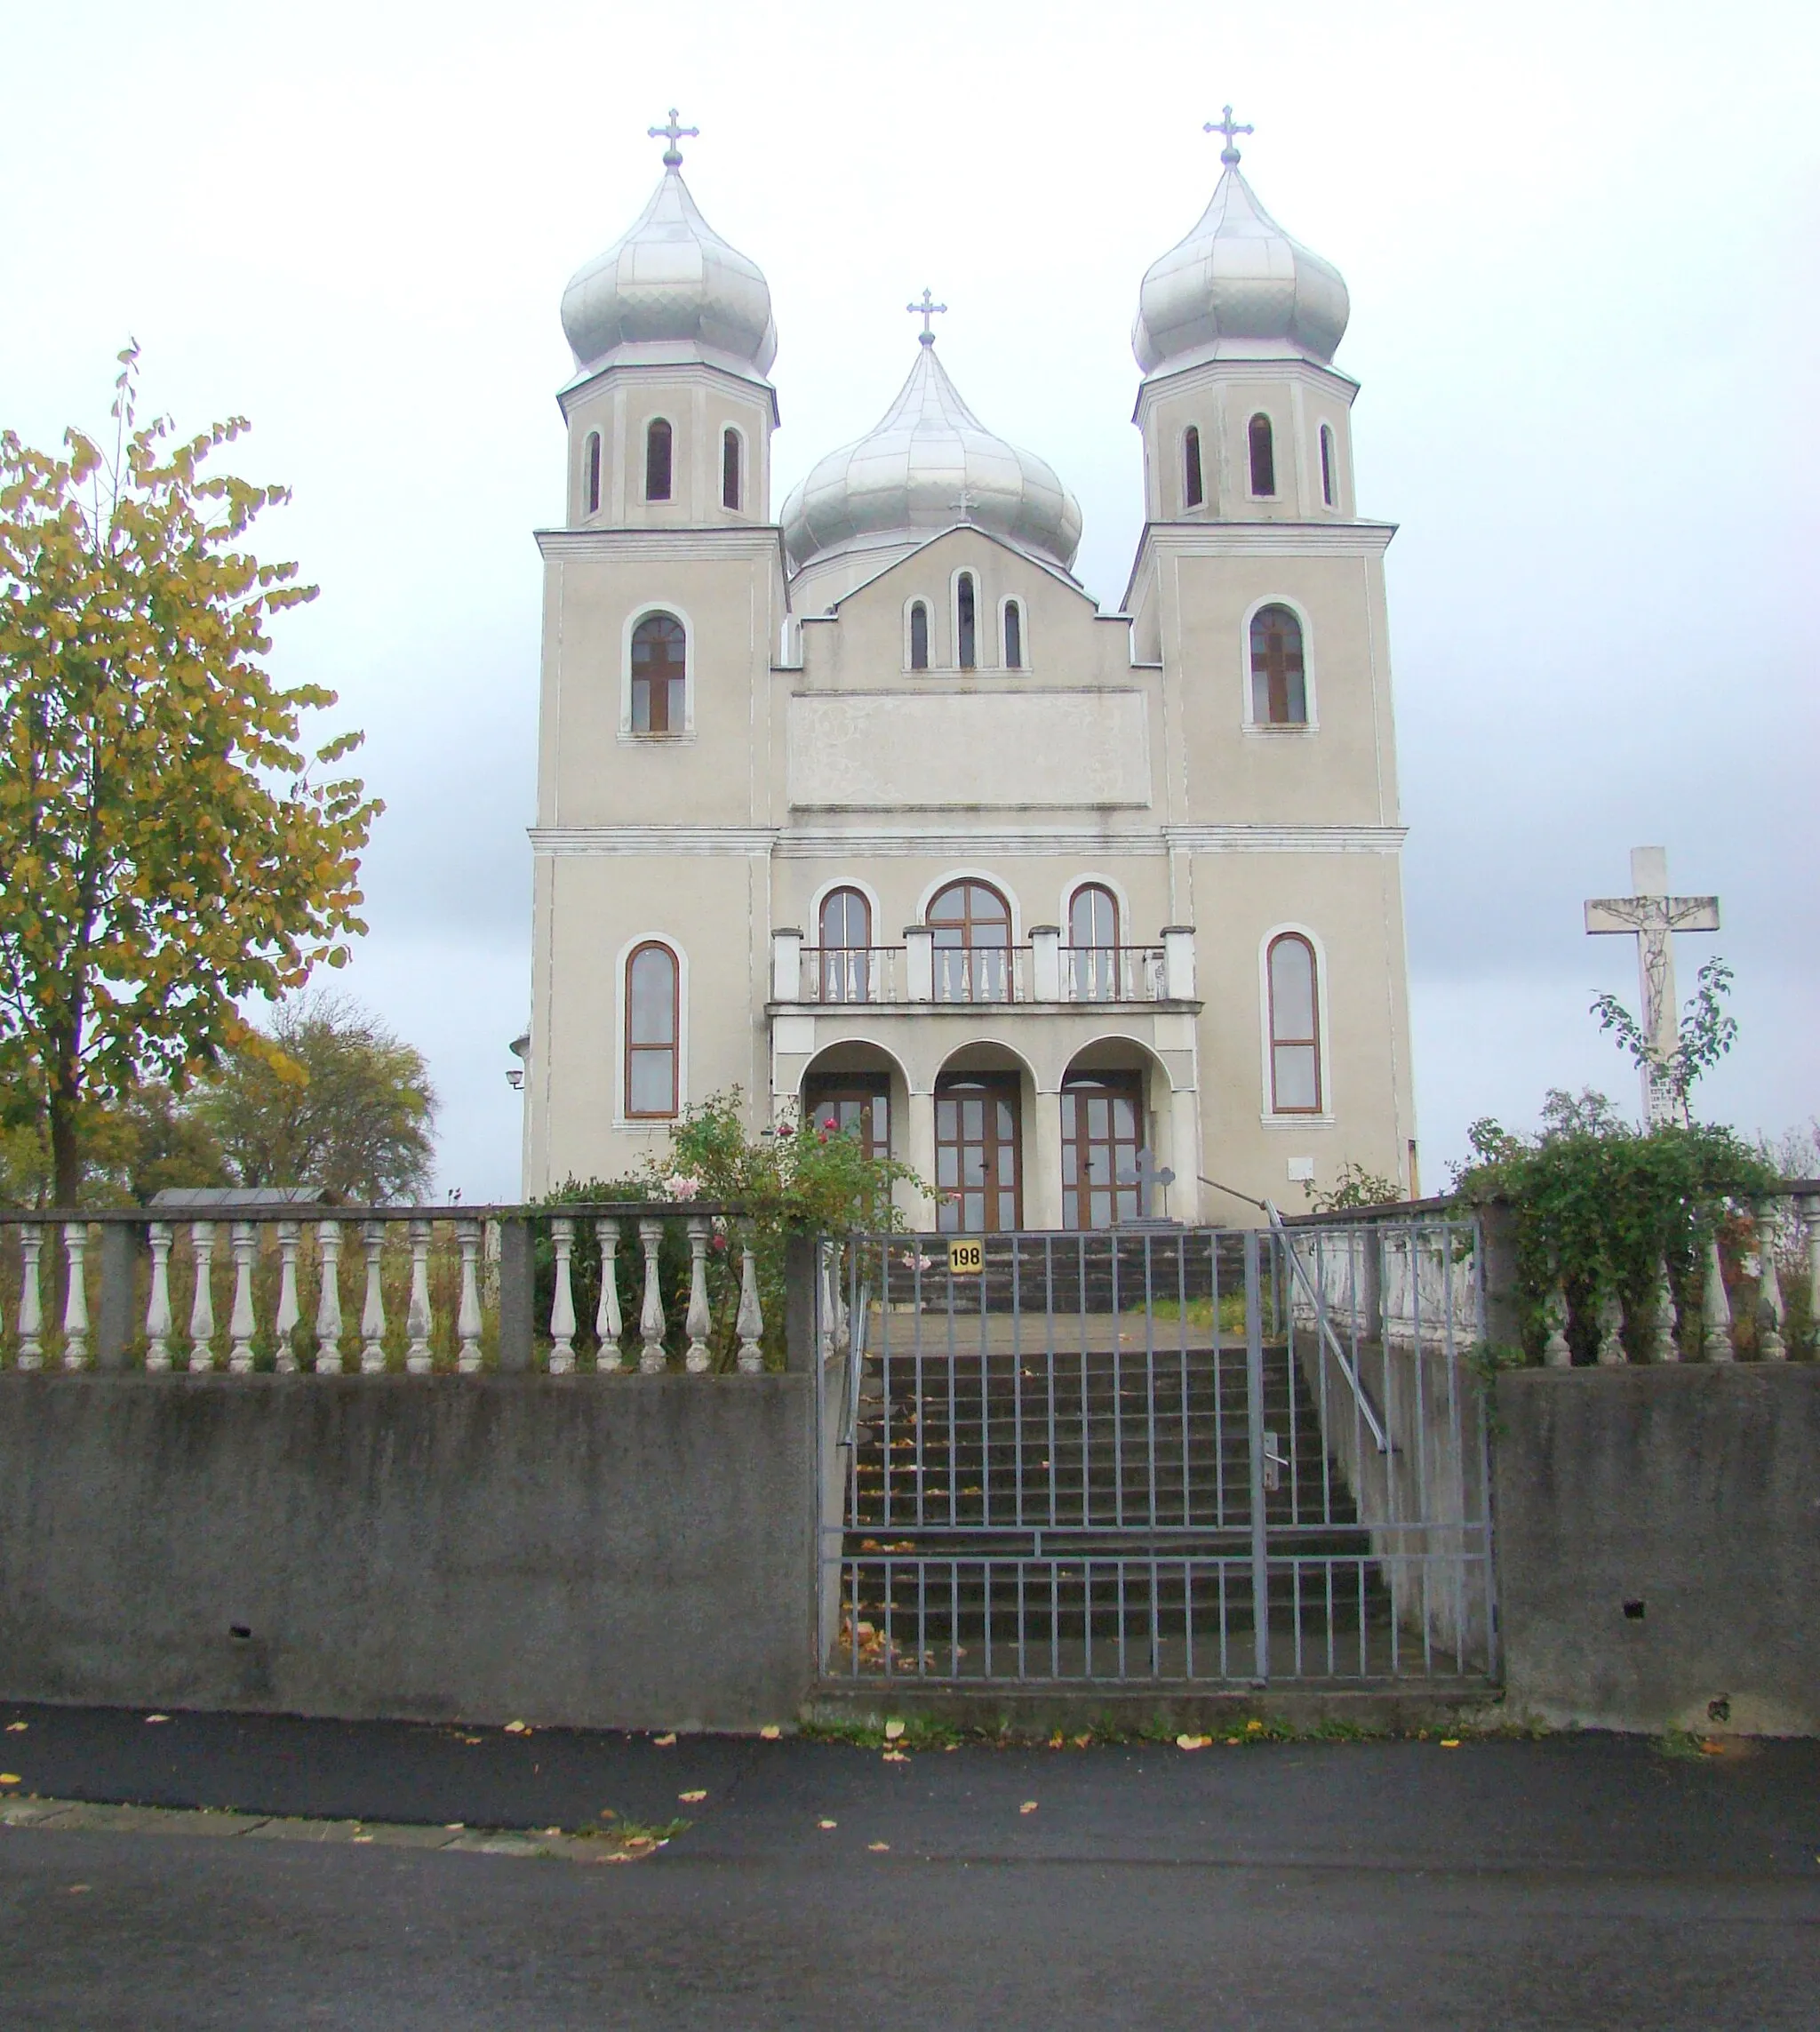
(168,844)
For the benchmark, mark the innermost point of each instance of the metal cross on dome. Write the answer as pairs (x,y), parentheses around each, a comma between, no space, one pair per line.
(673,133)
(1226,124)
(927,310)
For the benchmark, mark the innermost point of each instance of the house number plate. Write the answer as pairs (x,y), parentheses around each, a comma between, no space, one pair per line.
(966,1258)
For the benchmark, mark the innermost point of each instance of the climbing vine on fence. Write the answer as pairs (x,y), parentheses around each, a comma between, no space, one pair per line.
(1600,1206)
(807,1178)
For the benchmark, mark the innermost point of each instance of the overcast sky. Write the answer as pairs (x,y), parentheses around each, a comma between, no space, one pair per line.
(1580,243)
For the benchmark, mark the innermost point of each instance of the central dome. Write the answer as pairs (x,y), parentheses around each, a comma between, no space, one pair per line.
(670,289)
(927,464)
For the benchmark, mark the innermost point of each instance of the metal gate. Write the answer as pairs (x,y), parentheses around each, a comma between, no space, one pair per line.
(1155,1455)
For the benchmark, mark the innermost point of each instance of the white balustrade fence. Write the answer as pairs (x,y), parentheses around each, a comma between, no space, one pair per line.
(1411,1279)
(331,1291)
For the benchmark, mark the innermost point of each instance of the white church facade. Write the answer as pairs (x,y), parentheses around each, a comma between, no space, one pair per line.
(870,810)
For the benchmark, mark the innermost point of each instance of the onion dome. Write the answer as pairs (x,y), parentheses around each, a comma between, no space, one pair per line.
(671,290)
(1238,287)
(927,464)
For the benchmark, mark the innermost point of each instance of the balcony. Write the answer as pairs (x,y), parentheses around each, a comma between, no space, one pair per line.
(1044,973)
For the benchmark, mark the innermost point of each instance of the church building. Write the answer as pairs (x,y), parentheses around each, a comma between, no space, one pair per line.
(868,810)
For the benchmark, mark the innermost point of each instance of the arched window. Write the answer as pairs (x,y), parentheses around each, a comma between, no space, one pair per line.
(659,672)
(966,631)
(1295,1028)
(1093,943)
(972,927)
(653,1028)
(594,472)
(1192,492)
(1327,481)
(919,636)
(1279,686)
(730,468)
(1014,635)
(846,940)
(1262,456)
(656,460)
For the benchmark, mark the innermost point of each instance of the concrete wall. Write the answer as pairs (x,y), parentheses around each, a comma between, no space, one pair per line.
(633,1552)
(1693,1493)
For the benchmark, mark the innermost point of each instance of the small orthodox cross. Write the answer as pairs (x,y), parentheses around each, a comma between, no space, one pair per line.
(1652,916)
(1148,1174)
(673,133)
(927,310)
(1226,124)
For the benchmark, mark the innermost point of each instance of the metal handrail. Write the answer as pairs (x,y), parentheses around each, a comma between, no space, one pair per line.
(1347,1369)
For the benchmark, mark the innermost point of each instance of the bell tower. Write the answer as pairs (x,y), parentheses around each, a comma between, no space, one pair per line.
(1258,589)
(670,412)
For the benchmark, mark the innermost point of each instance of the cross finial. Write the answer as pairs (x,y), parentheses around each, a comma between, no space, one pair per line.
(673,133)
(1226,124)
(927,310)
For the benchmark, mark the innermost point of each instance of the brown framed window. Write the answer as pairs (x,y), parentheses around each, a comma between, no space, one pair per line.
(1192,492)
(1295,1027)
(1327,481)
(656,460)
(730,468)
(594,472)
(966,622)
(1014,635)
(1263,446)
(659,676)
(1278,680)
(1093,943)
(972,927)
(653,1033)
(846,943)
(859,1105)
(919,636)
(976,1164)
(1102,1133)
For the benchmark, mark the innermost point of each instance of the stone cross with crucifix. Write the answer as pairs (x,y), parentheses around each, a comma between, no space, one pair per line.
(1652,916)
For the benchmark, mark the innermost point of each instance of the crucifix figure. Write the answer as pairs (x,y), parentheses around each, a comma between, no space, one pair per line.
(927,310)
(1226,124)
(1148,1174)
(1652,916)
(673,133)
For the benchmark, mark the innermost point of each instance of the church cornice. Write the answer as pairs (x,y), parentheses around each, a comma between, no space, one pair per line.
(671,361)
(1254,539)
(1189,374)
(712,542)
(822,842)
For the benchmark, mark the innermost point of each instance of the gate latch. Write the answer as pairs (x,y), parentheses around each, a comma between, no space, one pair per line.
(1275,1461)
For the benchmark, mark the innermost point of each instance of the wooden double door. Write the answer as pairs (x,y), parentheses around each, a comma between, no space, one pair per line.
(979,1166)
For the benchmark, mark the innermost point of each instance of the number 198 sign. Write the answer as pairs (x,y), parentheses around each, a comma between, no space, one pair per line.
(966,1258)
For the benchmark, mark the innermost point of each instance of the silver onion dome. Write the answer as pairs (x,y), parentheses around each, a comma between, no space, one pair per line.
(671,288)
(1238,287)
(929,463)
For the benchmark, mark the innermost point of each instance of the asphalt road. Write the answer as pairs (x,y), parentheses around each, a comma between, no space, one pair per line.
(1580,1883)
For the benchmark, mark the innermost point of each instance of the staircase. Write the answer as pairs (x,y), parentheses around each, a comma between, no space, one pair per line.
(1065,1515)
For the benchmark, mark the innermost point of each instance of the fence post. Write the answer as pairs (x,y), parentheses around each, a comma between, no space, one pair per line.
(1497,1243)
(114,1318)
(799,1304)
(517,1277)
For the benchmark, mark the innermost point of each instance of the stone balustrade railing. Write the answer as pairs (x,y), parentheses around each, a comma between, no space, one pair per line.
(1405,1273)
(421,1289)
